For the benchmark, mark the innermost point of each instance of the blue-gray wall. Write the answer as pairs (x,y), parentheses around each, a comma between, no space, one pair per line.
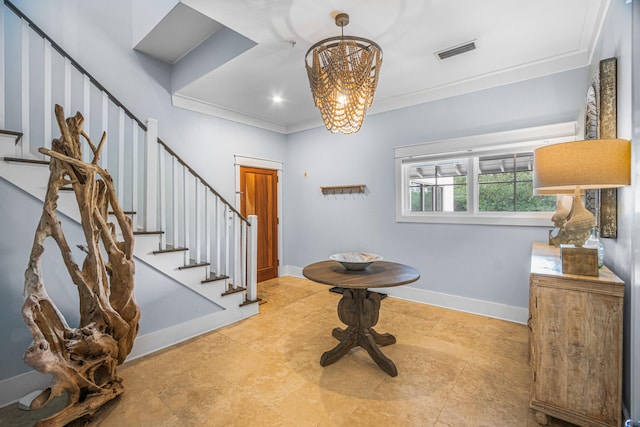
(481,262)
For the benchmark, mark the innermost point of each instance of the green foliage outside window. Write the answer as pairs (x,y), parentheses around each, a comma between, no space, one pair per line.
(506,191)
(502,192)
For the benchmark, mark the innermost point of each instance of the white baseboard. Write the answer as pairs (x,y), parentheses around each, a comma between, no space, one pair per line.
(14,388)
(454,302)
(290,270)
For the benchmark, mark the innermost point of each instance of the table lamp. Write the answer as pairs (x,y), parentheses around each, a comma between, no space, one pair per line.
(580,165)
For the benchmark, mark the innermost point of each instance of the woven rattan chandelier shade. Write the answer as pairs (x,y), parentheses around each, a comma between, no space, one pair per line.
(343,75)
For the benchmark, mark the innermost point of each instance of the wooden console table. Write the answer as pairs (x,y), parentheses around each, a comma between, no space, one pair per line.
(359,308)
(576,342)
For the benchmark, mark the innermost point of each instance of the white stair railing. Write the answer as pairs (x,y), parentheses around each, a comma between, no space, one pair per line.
(165,193)
(200,220)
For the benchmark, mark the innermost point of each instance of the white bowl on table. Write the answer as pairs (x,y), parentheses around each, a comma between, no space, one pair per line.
(355,261)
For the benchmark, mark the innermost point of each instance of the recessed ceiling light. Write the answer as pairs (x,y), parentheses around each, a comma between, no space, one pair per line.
(277,99)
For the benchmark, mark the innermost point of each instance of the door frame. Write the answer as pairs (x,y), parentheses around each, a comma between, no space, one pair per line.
(253,162)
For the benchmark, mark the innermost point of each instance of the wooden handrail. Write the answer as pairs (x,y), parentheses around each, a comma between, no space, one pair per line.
(74,62)
(205,183)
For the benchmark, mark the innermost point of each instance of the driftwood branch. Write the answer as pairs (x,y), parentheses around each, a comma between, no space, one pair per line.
(82,360)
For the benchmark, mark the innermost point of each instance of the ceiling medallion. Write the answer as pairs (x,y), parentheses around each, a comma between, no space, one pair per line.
(343,75)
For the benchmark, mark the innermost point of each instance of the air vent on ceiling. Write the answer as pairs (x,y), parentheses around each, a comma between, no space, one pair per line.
(457,50)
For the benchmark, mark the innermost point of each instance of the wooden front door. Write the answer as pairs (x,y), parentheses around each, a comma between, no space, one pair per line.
(259,196)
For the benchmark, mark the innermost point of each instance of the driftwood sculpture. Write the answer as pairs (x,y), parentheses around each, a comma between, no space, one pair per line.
(81,360)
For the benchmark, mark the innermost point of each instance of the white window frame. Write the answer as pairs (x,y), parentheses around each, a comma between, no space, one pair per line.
(507,142)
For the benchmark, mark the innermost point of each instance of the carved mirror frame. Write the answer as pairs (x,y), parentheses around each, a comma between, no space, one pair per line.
(601,122)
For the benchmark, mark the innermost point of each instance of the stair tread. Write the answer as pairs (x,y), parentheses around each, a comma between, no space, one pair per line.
(214,277)
(193,265)
(31,161)
(170,249)
(124,212)
(147,232)
(249,302)
(232,291)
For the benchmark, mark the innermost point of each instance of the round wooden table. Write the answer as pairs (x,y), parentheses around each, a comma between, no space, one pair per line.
(359,309)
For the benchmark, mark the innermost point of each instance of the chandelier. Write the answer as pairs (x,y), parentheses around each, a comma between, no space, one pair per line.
(343,74)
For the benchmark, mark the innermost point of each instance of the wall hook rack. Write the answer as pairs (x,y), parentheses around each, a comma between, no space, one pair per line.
(343,189)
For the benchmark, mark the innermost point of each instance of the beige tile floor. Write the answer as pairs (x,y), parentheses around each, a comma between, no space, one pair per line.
(454,369)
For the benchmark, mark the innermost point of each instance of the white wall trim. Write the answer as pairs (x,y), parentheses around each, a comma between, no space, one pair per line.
(468,305)
(453,302)
(254,162)
(290,270)
(187,103)
(14,388)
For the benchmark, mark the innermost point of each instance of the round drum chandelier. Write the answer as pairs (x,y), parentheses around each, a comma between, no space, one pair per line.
(343,75)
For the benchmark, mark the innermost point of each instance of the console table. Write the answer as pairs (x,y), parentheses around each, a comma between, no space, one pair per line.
(576,342)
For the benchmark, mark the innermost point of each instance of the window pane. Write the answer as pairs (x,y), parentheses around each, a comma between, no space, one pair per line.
(428,199)
(505,185)
(460,196)
(496,197)
(496,164)
(443,186)
(416,201)
(496,177)
(524,176)
(527,202)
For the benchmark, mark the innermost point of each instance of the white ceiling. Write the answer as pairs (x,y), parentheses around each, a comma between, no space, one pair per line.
(516,40)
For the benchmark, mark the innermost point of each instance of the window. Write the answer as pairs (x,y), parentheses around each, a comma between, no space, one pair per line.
(484,179)
(439,186)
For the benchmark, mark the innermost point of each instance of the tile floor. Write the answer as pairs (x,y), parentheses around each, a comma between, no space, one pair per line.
(454,369)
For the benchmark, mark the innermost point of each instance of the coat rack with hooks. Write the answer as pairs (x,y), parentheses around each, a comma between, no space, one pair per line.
(343,189)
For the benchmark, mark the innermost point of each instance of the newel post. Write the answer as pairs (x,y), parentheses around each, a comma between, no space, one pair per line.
(252,258)
(151,175)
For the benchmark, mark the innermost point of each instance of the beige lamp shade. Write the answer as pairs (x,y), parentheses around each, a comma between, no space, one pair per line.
(593,163)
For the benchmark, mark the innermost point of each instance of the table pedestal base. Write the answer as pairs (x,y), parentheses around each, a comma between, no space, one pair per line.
(359,309)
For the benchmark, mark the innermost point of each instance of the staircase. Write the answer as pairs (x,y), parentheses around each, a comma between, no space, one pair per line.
(184,228)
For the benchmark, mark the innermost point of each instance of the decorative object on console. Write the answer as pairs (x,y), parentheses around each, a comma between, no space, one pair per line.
(579,260)
(343,75)
(559,217)
(578,165)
